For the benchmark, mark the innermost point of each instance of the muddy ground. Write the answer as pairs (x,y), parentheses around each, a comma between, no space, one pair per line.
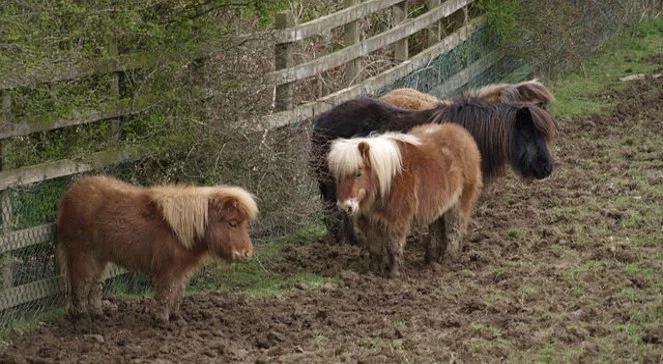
(565,269)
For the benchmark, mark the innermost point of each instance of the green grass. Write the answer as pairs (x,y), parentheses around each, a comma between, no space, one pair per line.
(577,93)
(25,324)
(253,278)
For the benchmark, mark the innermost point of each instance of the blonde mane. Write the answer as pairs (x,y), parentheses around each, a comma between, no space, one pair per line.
(185,208)
(245,201)
(384,153)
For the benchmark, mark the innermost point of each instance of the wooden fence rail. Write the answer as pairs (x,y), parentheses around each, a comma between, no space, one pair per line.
(367,46)
(371,85)
(282,78)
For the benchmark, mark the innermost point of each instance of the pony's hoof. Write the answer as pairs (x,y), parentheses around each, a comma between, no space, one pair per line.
(178,320)
(394,273)
(97,314)
(453,259)
(75,315)
(162,318)
(436,267)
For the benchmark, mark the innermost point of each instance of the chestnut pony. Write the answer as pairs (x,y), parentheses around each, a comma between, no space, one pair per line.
(528,91)
(507,134)
(164,231)
(392,182)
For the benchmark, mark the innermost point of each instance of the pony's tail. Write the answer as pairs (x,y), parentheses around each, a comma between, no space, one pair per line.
(63,264)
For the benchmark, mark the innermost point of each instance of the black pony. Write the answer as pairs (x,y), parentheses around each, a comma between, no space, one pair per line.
(513,134)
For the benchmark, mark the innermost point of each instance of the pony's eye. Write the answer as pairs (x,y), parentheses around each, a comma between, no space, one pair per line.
(358,173)
(232,223)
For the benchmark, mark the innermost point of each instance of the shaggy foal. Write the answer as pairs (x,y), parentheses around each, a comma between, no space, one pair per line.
(164,231)
(389,183)
(528,91)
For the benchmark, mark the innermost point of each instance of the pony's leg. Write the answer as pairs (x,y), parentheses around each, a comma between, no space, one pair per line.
(330,214)
(395,254)
(453,232)
(469,197)
(437,240)
(338,224)
(347,232)
(385,251)
(170,289)
(96,289)
(82,268)
(374,240)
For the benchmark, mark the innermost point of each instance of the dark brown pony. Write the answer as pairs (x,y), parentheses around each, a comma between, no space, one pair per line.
(528,91)
(164,231)
(392,182)
(515,134)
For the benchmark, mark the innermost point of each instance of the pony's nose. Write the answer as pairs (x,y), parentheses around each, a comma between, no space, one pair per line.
(242,254)
(349,206)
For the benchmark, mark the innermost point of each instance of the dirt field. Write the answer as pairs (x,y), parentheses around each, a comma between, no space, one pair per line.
(565,269)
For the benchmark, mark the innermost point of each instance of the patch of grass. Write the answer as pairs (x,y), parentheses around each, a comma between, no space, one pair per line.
(554,354)
(304,235)
(575,273)
(483,346)
(377,344)
(577,93)
(514,233)
(633,220)
(529,293)
(630,294)
(20,326)
(254,277)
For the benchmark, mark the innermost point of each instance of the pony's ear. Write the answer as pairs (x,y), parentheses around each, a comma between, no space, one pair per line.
(223,205)
(364,152)
(524,118)
(535,91)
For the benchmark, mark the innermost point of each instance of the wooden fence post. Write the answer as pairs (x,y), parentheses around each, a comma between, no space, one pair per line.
(401,47)
(283,96)
(433,33)
(350,37)
(114,91)
(6,260)
(466,15)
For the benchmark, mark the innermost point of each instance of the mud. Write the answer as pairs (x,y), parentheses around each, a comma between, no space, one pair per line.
(565,269)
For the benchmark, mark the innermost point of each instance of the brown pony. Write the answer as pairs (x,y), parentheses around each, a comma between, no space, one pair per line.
(411,99)
(532,91)
(164,231)
(391,182)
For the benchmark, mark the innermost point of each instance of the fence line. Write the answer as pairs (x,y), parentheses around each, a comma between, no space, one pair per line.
(371,85)
(367,46)
(65,167)
(26,237)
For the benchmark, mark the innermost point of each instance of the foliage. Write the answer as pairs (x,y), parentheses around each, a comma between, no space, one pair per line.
(502,16)
(560,34)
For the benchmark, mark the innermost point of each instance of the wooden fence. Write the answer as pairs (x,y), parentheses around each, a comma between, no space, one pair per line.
(283,78)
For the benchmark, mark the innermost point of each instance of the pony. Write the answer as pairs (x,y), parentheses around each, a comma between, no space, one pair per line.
(164,231)
(515,134)
(528,91)
(391,182)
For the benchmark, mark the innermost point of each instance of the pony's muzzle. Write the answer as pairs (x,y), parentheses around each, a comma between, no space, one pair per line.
(242,255)
(349,206)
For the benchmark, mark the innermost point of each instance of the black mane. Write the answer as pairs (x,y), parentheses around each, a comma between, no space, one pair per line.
(491,125)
